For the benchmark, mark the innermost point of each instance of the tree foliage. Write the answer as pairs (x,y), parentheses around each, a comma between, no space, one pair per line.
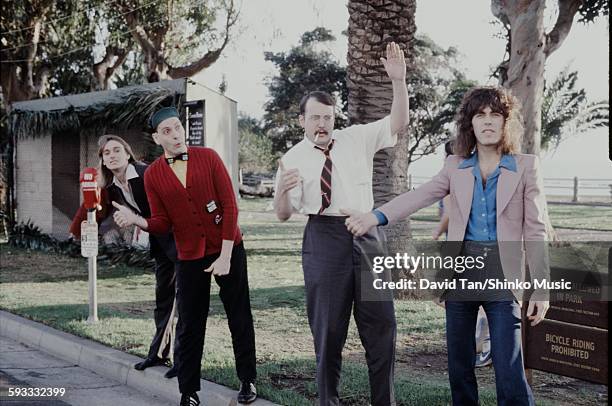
(255,153)
(179,38)
(50,48)
(529,44)
(436,87)
(306,67)
(45,48)
(567,112)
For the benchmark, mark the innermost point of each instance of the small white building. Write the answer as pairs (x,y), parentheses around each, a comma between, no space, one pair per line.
(56,138)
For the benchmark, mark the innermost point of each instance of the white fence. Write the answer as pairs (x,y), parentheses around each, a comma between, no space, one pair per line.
(573,188)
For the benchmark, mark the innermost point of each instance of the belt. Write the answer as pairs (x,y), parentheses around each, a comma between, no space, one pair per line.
(481,248)
(317,218)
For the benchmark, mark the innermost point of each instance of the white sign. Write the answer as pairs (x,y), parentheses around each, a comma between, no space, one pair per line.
(89,239)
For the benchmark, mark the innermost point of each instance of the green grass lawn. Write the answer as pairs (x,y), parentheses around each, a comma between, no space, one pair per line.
(53,289)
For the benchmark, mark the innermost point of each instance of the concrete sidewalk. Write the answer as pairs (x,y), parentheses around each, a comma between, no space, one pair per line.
(110,363)
(55,382)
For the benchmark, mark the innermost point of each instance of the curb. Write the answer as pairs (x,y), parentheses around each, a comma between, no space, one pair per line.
(110,363)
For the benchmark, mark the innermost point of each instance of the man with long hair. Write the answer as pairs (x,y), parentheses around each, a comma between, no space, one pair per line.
(122,181)
(496,207)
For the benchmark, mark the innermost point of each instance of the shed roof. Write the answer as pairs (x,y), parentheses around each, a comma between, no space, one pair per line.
(122,108)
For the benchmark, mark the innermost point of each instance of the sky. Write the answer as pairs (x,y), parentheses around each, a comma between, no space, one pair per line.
(276,25)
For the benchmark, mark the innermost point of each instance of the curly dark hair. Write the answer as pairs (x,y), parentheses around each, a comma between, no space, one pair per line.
(499,100)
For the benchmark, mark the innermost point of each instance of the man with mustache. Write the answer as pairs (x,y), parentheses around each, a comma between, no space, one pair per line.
(326,171)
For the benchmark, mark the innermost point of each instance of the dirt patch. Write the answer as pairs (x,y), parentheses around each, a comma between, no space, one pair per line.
(432,366)
(19,265)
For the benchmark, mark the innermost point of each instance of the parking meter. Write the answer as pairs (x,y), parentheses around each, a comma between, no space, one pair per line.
(89,188)
(89,235)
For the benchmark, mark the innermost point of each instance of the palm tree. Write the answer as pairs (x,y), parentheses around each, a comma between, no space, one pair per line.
(567,112)
(373,24)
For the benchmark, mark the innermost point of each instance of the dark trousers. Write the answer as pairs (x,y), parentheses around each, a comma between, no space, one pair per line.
(165,289)
(193,297)
(331,260)
(505,329)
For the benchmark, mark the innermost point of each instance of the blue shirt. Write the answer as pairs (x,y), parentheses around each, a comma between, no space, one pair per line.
(482,224)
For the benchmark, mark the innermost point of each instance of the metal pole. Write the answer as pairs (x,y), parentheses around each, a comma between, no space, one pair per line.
(92,269)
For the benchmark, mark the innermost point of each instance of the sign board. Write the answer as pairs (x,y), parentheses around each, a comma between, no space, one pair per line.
(568,349)
(572,308)
(196,134)
(89,239)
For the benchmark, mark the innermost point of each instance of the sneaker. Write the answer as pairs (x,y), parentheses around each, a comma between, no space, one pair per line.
(190,399)
(247,392)
(483,358)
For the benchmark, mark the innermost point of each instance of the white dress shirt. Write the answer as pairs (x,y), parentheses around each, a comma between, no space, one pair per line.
(130,173)
(352,164)
(140,238)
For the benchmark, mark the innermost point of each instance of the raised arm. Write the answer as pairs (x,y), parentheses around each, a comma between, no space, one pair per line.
(403,205)
(395,65)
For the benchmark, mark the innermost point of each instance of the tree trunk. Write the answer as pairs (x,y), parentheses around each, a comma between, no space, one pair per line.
(104,70)
(373,24)
(153,45)
(523,72)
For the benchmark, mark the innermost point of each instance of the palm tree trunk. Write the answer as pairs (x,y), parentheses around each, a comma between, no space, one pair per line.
(373,24)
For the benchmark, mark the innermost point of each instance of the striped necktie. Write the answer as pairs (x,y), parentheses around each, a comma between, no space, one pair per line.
(326,178)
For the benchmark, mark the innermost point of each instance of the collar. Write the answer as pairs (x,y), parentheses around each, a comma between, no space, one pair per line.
(507,161)
(130,173)
(327,149)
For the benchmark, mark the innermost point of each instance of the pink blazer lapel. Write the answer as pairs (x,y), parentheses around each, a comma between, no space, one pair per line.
(464,190)
(506,185)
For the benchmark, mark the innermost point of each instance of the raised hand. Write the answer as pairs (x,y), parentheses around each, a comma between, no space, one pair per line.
(359,223)
(289,178)
(395,64)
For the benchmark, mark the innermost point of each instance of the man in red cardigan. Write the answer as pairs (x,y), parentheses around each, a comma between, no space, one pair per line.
(190,192)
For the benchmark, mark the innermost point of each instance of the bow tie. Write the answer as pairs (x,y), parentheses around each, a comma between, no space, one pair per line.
(181,157)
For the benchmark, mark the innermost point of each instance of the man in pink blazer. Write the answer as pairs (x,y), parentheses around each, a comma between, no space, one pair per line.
(496,212)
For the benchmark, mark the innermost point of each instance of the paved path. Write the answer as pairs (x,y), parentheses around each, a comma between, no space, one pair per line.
(25,367)
(32,354)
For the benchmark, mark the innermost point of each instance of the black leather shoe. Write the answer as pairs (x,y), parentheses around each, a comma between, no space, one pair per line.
(172,372)
(151,362)
(190,399)
(247,393)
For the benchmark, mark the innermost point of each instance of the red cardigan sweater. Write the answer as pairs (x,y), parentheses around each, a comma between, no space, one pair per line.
(198,226)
